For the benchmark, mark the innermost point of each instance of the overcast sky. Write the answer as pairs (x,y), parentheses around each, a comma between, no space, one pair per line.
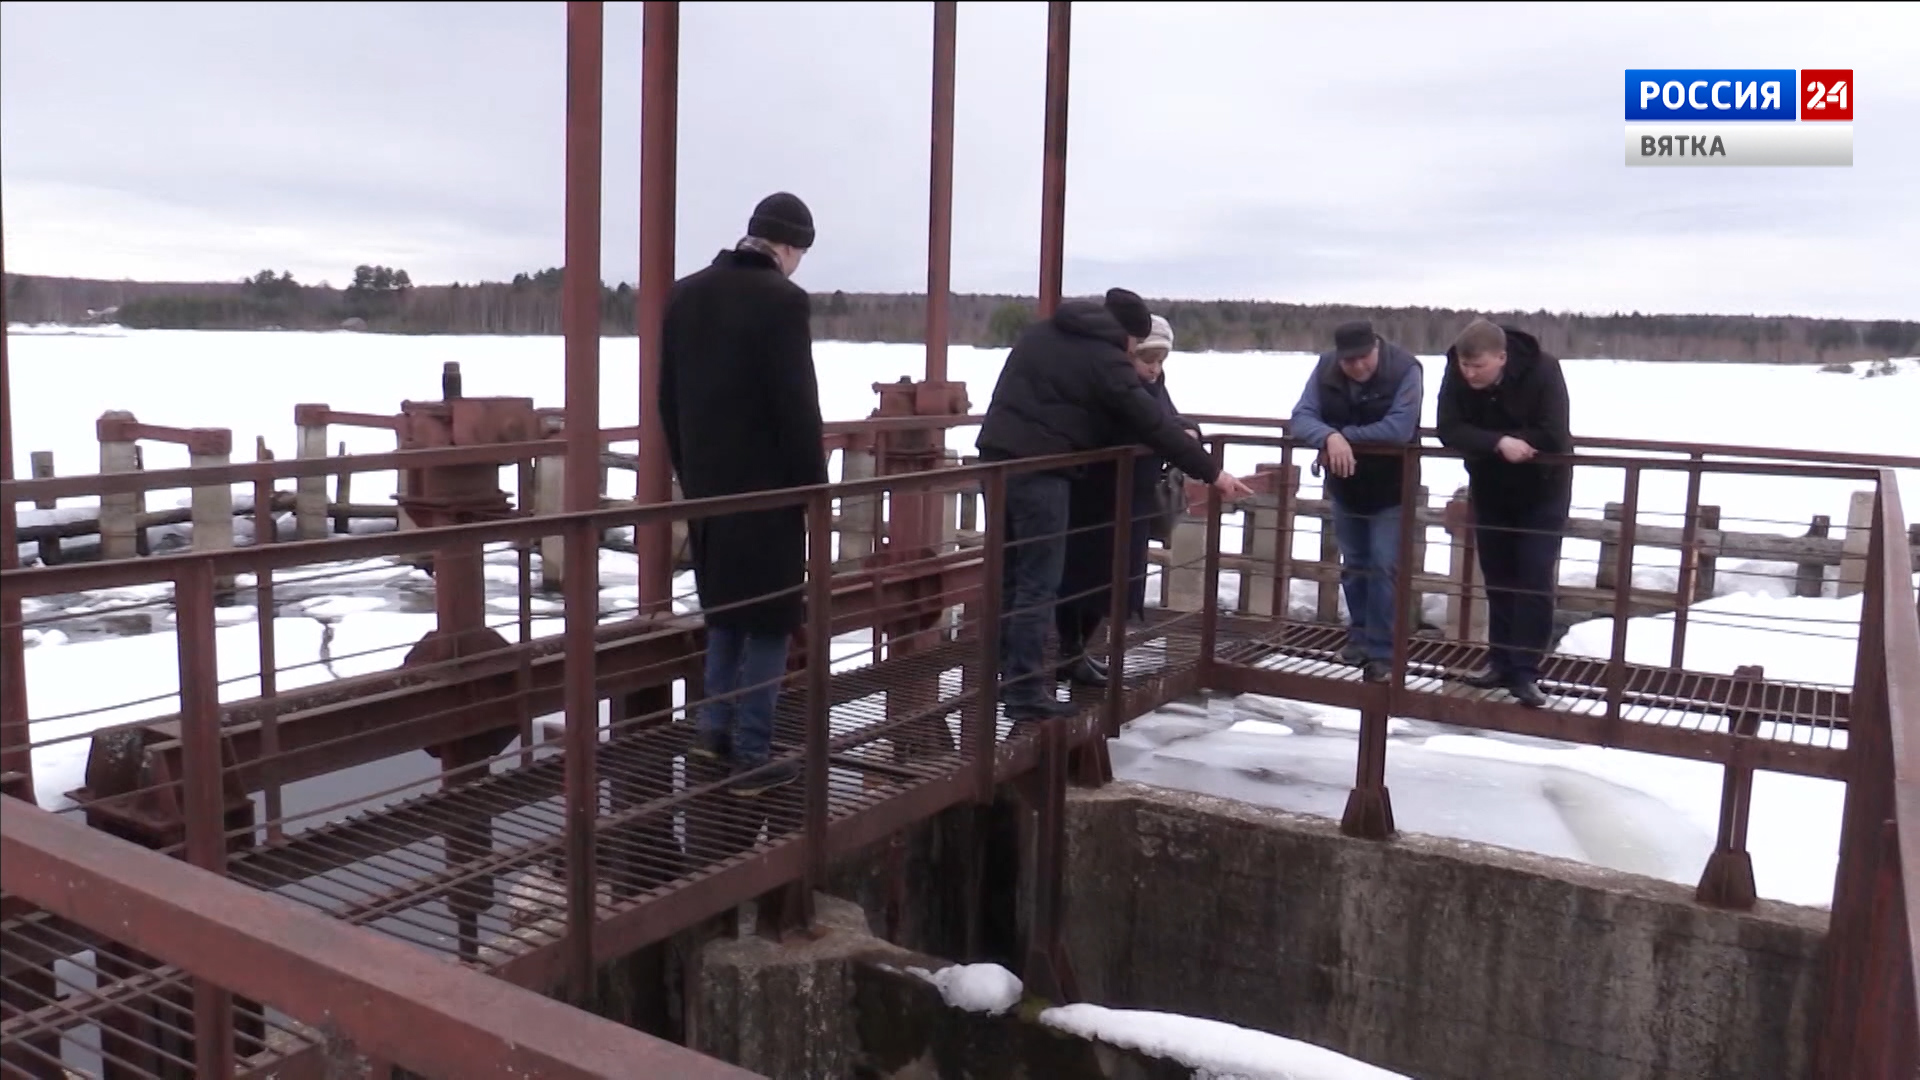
(1453,155)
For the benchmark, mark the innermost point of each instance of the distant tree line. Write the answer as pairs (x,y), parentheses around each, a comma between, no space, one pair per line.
(384,299)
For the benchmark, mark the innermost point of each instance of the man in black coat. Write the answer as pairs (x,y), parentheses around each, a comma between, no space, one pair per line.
(741,405)
(1086,597)
(1503,401)
(1366,392)
(1068,386)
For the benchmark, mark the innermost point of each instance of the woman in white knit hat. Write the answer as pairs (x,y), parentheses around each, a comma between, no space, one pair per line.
(1085,595)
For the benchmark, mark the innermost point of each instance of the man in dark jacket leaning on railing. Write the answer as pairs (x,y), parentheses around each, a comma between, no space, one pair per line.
(1366,392)
(1068,386)
(1503,401)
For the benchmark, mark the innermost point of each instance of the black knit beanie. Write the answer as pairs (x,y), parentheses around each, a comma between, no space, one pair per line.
(1126,306)
(782,219)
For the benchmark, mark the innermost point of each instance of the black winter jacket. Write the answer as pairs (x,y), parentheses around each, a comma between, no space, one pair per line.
(1068,387)
(1529,403)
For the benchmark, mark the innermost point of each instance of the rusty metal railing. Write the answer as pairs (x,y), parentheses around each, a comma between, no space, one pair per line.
(1230,650)
(1866,734)
(218,756)
(1870,1023)
(393,1003)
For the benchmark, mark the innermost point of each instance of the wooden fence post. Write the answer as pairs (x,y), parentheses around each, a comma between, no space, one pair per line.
(213,503)
(310,492)
(119,514)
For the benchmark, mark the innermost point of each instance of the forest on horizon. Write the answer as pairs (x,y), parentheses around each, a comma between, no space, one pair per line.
(381,299)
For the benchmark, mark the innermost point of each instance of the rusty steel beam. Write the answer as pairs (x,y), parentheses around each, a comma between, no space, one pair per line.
(342,843)
(1658,446)
(940,188)
(1476,711)
(157,569)
(1816,708)
(392,1000)
(1053,174)
(1867,1023)
(354,721)
(16,740)
(581,581)
(659,155)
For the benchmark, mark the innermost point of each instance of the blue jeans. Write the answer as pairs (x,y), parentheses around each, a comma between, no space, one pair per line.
(1037,524)
(736,660)
(1369,569)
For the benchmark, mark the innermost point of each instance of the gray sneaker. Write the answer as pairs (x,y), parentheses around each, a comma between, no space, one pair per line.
(1351,653)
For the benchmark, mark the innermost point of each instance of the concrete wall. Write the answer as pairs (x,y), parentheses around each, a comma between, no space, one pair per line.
(845,1005)
(1438,959)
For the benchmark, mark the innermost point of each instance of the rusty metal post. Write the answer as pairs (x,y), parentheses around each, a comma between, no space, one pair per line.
(1406,602)
(1053,175)
(819,692)
(1689,565)
(580,298)
(1369,810)
(993,559)
(16,740)
(1865,1027)
(1623,600)
(1281,603)
(1118,609)
(205,806)
(1210,601)
(940,189)
(659,112)
(265,532)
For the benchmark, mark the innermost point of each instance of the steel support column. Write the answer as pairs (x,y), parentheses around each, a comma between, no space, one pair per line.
(1053,176)
(659,140)
(580,316)
(940,189)
(16,762)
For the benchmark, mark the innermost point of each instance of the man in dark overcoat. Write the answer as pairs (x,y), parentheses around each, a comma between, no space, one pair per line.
(740,402)
(1068,386)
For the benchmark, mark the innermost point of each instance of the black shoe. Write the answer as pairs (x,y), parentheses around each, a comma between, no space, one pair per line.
(707,748)
(1484,679)
(1351,653)
(1526,693)
(1042,709)
(1376,671)
(751,780)
(1081,672)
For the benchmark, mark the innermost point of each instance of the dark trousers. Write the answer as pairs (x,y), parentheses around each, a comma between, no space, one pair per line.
(1036,557)
(1076,627)
(747,667)
(1519,558)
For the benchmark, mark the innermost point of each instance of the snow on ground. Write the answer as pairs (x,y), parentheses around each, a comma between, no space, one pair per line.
(115,650)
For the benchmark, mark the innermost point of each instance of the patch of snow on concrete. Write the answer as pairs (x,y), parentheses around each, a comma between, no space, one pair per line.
(987,988)
(1215,1050)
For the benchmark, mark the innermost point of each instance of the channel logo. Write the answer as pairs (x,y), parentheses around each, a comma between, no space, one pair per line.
(1711,117)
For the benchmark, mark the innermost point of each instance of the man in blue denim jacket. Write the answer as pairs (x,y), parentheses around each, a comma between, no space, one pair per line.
(1366,392)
